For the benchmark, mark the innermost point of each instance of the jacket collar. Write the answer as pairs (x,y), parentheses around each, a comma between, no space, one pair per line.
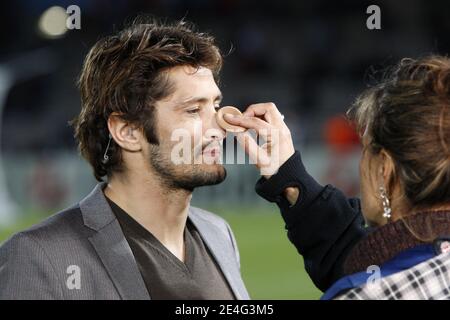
(111,246)
(216,240)
(385,242)
(95,209)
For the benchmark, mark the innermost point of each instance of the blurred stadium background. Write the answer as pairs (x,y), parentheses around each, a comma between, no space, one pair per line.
(309,57)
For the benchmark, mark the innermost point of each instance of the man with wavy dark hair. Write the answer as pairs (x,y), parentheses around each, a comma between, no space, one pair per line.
(135,236)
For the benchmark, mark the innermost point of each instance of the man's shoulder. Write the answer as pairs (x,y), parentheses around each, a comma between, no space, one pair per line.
(63,225)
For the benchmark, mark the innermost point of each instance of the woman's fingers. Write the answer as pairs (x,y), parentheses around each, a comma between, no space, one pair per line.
(268,111)
(249,145)
(260,126)
(268,123)
(256,153)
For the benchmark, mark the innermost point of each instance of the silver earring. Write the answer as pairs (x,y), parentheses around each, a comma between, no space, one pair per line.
(105,155)
(386,203)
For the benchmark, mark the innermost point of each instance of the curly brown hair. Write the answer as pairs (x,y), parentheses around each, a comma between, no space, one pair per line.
(126,73)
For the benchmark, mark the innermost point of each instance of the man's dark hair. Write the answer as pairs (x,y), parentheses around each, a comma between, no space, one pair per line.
(126,73)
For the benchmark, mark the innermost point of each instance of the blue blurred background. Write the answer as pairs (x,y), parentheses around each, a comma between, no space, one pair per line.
(309,57)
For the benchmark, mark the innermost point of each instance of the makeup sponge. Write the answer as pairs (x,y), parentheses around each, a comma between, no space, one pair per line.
(225,125)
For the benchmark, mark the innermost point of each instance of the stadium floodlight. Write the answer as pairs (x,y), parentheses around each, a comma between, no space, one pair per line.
(52,23)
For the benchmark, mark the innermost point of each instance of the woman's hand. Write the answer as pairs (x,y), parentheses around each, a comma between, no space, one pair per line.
(267,122)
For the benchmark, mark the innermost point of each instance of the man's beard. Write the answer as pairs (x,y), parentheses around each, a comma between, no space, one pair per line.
(184,176)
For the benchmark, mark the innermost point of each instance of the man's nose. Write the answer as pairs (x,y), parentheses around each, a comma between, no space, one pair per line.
(214,131)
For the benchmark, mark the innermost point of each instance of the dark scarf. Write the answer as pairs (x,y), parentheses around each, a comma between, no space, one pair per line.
(387,241)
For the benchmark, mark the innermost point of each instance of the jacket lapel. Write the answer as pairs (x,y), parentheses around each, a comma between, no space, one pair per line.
(222,251)
(111,246)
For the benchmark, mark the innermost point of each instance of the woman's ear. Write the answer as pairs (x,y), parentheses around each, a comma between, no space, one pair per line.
(124,134)
(387,171)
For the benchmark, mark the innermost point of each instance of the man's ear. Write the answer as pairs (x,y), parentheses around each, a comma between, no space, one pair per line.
(127,136)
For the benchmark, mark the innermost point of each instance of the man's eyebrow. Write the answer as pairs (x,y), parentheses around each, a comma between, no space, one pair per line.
(191,100)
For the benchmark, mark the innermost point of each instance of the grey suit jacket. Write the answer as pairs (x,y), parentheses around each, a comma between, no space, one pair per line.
(81,253)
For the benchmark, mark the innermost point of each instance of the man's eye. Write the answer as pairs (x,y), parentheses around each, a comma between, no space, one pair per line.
(193,111)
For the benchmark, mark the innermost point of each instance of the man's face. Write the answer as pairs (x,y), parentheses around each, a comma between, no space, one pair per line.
(186,127)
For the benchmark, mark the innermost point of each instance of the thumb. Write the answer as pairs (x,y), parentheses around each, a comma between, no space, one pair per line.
(256,154)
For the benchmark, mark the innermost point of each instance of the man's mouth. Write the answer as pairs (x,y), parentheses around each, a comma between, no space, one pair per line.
(212,152)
